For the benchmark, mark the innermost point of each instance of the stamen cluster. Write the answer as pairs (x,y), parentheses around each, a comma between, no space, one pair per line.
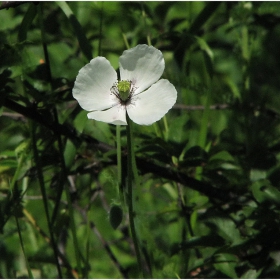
(124,91)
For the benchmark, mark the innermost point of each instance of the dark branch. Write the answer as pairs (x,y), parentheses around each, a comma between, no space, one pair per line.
(200,107)
(58,129)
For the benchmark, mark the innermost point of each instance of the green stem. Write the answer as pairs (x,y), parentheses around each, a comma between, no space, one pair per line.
(30,275)
(100,30)
(125,41)
(158,130)
(120,188)
(45,198)
(86,276)
(166,129)
(119,155)
(73,229)
(130,163)
(45,49)
(144,15)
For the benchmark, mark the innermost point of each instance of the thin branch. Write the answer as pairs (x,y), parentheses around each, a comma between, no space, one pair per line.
(21,117)
(144,165)
(200,107)
(14,116)
(12,4)
(70,132)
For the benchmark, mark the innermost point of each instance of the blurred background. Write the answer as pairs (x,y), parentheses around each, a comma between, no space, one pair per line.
(208,205)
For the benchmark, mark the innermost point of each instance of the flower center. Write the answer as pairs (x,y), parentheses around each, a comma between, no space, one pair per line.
(124,90)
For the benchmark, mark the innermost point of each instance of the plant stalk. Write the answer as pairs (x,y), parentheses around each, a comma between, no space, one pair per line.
(131,214)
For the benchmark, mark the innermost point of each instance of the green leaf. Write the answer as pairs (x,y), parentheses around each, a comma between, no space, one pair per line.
(226,263)
(275,255)
(81,121)
(177,131)
(26,22)
(170,190)
(7,164)
(222,155)
(208,55)
(226,228)
(69,153)
(195,156)
(263,191)
(256,174)
(222,160)
(251,274)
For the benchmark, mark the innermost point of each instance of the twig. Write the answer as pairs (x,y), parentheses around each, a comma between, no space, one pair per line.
(200,107)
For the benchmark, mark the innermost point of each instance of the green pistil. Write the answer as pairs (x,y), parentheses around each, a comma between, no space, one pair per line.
(124,90)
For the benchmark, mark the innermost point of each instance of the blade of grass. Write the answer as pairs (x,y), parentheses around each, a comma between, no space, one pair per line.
(100,30)
(26,22)
(85,46)
(203,16)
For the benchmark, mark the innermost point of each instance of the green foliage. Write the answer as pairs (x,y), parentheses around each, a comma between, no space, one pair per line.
(208,204)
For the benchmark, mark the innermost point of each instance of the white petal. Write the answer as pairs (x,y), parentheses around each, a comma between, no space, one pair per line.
(152,104)
(143,65)
(115,115)
(93,84)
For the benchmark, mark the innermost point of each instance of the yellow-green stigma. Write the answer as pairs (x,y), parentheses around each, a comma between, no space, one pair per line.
(124,90)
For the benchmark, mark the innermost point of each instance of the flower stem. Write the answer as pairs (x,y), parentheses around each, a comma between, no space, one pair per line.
(121,193)
(144,15)
(130,163)
(100,30)
(119,155)
(125,41)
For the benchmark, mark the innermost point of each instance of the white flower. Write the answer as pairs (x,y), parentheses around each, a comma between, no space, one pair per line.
(140,93)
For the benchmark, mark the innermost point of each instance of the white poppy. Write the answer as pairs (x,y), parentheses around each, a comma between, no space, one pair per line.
(140,93)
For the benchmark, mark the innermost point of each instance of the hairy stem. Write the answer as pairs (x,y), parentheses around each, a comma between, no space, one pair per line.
(130,162)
